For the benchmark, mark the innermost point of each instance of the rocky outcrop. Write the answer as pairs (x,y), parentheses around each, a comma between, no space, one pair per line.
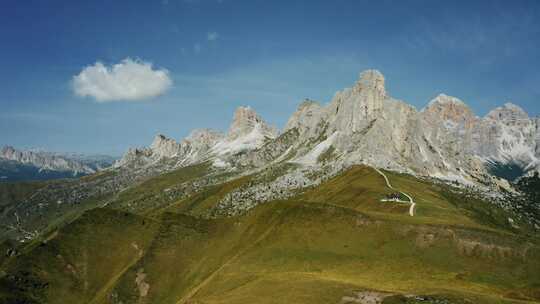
(351,110)
(364,124)
(310,119)
(191,149)
(505,135)
(245,121)
(248,131)
(202,140)
(512,136)
(445,139)
(165,147)
(45,161)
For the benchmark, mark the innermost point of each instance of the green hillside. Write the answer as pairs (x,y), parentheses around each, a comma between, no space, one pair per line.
(328,244)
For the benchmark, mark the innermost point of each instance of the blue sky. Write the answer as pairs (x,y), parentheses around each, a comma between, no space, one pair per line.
(220,54)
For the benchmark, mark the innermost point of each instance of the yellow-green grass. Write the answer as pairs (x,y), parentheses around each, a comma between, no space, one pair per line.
(201,203)
(16,191)
(298,251)
(98,175)
(81,261)
(362,188)
(150,194)
(314,248)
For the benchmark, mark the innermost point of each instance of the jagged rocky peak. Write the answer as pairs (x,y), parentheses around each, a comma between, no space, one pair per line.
(204,136)
(308,117)
(448,108)
(443,100)
(202,140)
(45,160)
(364,124)
(351,110)
(508,112)
(308,103)
(136,156)
(245,121)
(163,146)
(371,80)
(160,140)
(248,131)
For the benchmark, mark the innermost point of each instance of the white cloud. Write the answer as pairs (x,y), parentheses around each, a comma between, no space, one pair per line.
(212,36)
(128,80)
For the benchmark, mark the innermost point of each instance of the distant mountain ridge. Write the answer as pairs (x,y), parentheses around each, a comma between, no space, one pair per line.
(365,125)
(40,165)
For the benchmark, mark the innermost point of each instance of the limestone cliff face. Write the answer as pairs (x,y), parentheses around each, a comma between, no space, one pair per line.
(202,140)
(310,119)
(448,116)
(507,134)
(351,110)
(246,120)
(165,147)
(45,161)
(364,124)
(445,139)
(248,131)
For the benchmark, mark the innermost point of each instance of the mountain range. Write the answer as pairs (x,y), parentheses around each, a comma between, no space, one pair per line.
(365,125)
(18,165)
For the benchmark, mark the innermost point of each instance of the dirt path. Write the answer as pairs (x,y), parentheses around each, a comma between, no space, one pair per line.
(411,200)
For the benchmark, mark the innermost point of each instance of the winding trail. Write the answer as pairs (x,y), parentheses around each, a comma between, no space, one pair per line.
(411,200)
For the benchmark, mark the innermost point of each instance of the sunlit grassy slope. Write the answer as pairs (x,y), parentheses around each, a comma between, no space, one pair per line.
(318,247)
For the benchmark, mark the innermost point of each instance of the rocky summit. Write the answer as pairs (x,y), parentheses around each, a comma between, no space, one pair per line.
(19,165)
(45,161)
(365,125)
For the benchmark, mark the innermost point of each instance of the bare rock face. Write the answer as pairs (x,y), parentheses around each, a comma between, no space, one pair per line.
(450,111)
(245,121)
(165,147)
(508,135)
(448,124)
(134,157)
(202,140)
(248,131)
(45,160)
(508,113)
(352,109)
(309,119)
(446,139)
(363,124)
(190,149)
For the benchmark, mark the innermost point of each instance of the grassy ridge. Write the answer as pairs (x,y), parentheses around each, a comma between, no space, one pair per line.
(315,248)
(150,194)
(80,260)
